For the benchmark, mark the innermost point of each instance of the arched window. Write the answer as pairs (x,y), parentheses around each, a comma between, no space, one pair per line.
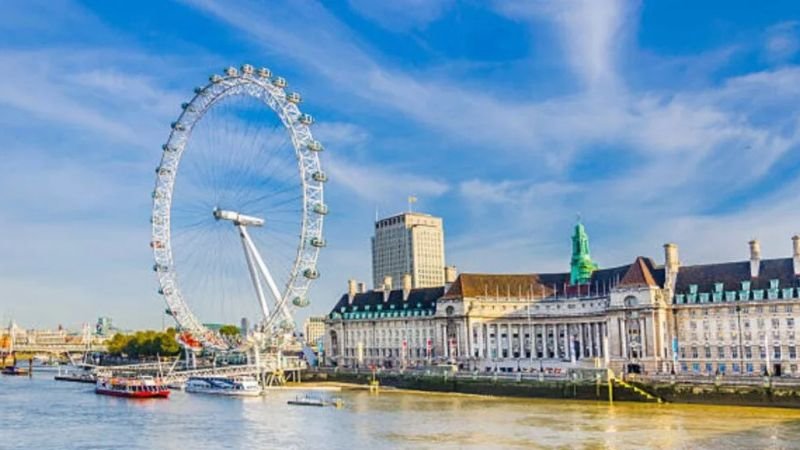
(631,301)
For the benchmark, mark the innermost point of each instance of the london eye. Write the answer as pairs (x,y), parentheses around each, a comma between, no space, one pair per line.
(238,211)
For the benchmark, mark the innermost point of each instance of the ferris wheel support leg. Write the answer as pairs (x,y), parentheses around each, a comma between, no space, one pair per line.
(248,254)
(266,273)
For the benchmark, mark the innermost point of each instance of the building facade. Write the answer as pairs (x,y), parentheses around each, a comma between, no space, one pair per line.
(314,329)
(408,243)
(734,318)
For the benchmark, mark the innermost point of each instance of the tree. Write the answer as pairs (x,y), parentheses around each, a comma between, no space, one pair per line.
(229,330)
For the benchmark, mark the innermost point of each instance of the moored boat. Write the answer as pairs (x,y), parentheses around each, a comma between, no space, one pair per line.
(139,387)
(313,401)
(15,370)
(243,386)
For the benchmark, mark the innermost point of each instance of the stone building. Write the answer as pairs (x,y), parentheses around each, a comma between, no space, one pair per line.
(724,318)
(408,243)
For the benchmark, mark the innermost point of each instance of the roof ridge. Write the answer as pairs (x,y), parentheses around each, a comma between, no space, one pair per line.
(638,274)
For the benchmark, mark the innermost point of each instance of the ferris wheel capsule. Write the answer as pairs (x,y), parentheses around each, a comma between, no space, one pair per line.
(215,78)
(317,242)
(300,302)
(306,119)
(293,97)
(321,209)
(280,82)
(231,71)
(264,72)
(315,146)
(247,69)
(319,176)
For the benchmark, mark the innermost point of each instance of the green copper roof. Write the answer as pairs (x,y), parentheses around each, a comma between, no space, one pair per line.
(581,264)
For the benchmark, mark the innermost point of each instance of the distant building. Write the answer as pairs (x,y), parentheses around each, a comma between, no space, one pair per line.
(104,326)
(314,329)
(737,318)
(408,243)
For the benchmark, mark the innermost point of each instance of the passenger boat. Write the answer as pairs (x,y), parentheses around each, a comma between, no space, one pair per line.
(15,370)
(139,387)
(243,386)
(313,401)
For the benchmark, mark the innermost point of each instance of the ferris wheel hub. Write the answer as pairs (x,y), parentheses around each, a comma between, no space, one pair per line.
(238,218)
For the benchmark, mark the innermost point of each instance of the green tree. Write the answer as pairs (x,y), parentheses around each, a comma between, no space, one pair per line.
(229,330)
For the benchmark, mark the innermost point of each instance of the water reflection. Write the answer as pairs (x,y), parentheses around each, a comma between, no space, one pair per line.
(41,413)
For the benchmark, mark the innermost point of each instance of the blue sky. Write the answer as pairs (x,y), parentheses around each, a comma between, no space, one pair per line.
(657,121)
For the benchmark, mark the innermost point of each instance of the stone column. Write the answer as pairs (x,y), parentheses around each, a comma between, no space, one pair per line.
(582,353)
(497,343)
(567,350)
(643,335)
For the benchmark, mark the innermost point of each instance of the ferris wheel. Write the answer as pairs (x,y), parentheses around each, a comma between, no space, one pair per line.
(236,232)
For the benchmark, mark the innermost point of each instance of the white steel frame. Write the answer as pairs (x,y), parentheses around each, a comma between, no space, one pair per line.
(260,85)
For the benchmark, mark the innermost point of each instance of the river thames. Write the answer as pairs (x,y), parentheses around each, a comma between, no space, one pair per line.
(40,413)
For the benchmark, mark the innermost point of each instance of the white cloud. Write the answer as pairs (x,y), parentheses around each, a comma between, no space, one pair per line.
(782,41)
(402,15)
(379,184)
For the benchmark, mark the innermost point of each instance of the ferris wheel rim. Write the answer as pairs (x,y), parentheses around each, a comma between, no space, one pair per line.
(271,92)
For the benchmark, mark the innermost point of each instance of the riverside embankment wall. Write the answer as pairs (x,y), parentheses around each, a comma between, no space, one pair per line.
(764,394)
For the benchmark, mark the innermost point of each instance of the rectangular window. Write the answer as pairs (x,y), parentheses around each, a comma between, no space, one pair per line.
(792,352)
(694,353)
(709,368)
(749,367)
(790,322)
(776,352)
(734,351)
(748,352)
(762,352)
(736,368)
(722,368)
(776,323)
(708,352)
(720,352)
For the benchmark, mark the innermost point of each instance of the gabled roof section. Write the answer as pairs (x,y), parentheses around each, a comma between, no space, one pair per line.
(419,298)
(639,274)
(732,274)
(500,285)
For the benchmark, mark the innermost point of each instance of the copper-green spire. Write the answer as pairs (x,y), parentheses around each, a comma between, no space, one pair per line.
(581,265)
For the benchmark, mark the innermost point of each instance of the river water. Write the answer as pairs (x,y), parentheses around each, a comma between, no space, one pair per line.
(41,413)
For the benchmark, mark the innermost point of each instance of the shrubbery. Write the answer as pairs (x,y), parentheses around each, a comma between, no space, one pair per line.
(144,344)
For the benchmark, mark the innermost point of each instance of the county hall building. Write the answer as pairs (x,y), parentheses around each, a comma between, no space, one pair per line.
(722,318)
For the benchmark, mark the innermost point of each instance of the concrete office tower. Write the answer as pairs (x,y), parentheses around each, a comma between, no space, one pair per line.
(409,243)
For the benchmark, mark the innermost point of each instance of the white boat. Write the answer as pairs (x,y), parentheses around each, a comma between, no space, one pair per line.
(242,386)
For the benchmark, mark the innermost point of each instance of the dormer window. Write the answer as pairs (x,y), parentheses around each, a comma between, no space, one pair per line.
(730,296)
(773,284)
(680,298)
(718,287)
(758,294)
(704,297)
(745,285)
(693,289)
(787,293)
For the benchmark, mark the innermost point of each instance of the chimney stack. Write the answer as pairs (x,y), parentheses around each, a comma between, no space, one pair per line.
(362,288)
(387,288)
(351,291)
(450,274)
(671,263)
(406,286)
(796,254)
(755,258)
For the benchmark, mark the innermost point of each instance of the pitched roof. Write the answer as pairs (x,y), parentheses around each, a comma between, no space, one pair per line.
(545,285)
(424,297)
(639,274)
(501,285)
(732,274)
